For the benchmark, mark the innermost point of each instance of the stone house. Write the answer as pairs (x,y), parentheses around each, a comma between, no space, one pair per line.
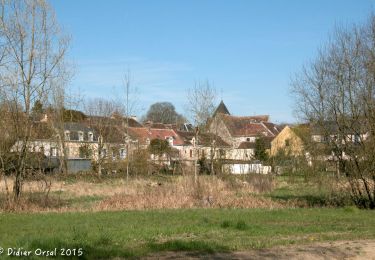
(241,132)
(291,140)
(204,145)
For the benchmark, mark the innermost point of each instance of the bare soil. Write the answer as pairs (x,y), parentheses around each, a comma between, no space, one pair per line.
(361,249)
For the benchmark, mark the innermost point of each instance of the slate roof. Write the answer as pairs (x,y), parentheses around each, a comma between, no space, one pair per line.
(222,109)
(43,130)
(74,128)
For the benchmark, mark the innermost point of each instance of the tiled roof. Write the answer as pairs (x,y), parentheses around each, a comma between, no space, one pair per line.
(142,134)
(246,125)
(150,124)
(138,133)
(274,129)
(114,120)
(164,133)
(204,139)
(247,145)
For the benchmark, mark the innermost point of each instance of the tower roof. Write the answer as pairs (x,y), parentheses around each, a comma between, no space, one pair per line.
(222,109)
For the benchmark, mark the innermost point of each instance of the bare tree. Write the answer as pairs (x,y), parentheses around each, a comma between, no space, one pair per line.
(201,100)
(32,65)
(105,117)
(200,107)
(336,94)
(131,105)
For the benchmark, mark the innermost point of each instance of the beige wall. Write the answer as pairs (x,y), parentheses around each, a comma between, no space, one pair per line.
(295,146)
(218,127)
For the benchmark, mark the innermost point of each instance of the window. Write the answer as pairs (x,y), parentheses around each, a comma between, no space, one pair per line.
(250,139)
(53,151)
(191,153)
(287,142)
(91,136)
(67,135)
(357,138)
(103,153)
(122,153)
(80,136)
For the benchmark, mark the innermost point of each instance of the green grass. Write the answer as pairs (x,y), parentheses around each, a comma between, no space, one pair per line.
(137,233)
(309,193)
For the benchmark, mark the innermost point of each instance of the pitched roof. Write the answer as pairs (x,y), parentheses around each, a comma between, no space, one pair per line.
(139,133)
(246,125)
(273,128)
(164,133)
(74,128)
(142,134)
(222,109)
(113,120)
(247,145)
(204,139)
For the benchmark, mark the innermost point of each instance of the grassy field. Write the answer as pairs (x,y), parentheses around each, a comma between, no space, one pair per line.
(138,233)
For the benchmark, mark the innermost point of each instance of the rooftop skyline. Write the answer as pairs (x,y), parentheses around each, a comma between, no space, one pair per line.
(248,50)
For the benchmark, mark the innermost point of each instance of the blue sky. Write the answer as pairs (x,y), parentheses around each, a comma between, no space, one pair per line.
(247,49)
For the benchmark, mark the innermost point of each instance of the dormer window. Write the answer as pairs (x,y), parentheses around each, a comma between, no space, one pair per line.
(67,135)
(91,136)
(148,141)
(80,136)
(170,140)
(251,139)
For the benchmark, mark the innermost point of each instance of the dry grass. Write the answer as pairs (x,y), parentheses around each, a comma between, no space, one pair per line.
(142,193)
(183,192)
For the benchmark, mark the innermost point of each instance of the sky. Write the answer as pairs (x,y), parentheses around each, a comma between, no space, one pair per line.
(248,50)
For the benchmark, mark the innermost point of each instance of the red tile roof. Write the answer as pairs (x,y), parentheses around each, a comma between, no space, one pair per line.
(142,134)
(204,139)
(246,125)
(274,129)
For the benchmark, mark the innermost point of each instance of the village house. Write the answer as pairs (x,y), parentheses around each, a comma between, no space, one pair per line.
(241,132)
(203,145)
(291,141)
